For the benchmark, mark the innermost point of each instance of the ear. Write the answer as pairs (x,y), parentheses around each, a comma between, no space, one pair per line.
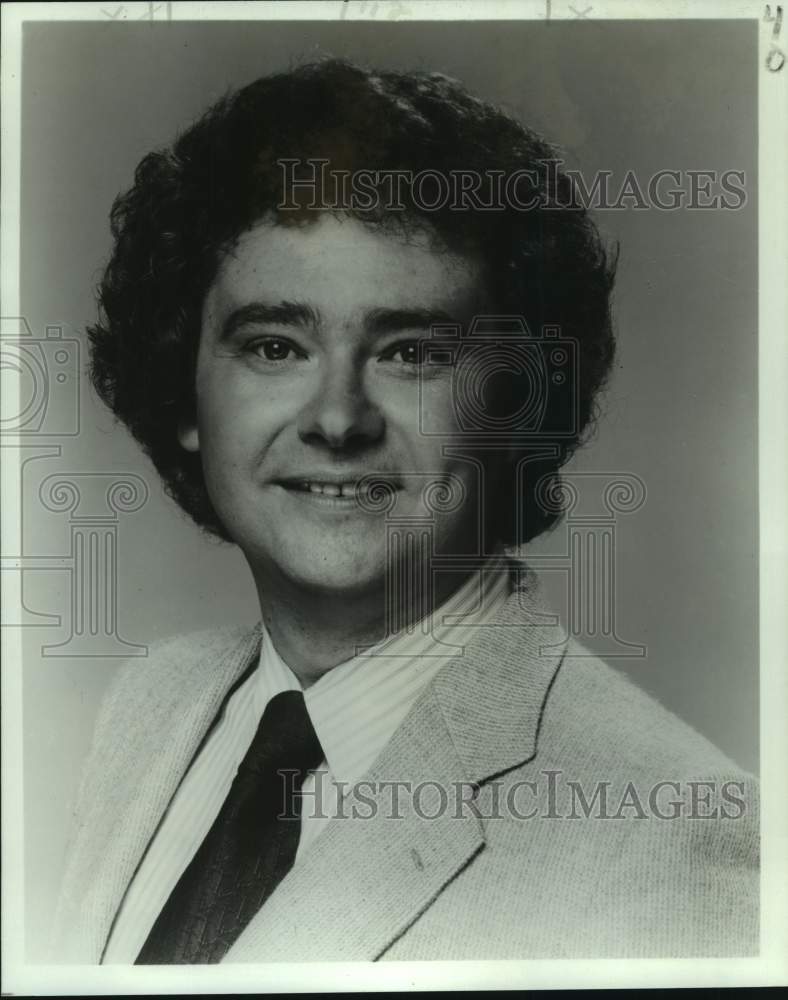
(188,436)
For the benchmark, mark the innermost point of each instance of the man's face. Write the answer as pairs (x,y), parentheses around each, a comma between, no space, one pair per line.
(307,381)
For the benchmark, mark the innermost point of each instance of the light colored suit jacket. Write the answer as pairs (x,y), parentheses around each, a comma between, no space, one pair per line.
(579,878)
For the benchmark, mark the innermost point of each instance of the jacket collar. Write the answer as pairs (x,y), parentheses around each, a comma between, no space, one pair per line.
(492,697)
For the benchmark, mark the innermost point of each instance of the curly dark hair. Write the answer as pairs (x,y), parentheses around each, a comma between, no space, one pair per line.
(190,203)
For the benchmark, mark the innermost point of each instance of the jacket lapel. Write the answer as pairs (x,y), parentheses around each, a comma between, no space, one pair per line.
(368,877)
(178,708)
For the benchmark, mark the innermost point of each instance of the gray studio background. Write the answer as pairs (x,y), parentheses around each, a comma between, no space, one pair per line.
(680,414)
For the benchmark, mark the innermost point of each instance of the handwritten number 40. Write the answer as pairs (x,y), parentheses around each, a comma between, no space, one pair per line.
(775,60)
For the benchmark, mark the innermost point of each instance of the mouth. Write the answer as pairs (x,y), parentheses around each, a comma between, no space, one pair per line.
(362,491)
(344,491)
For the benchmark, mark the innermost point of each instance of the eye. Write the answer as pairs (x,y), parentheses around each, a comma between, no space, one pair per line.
(406,352)
(274,349)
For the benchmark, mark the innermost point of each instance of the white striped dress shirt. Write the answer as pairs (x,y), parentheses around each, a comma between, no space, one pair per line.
(355,709)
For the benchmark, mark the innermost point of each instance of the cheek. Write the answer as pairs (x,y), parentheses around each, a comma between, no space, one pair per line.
(236,418)
(424,413)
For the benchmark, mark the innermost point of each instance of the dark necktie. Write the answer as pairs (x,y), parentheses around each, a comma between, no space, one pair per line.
(250,847)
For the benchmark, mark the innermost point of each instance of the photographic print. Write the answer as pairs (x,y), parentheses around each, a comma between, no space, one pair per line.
(384,558)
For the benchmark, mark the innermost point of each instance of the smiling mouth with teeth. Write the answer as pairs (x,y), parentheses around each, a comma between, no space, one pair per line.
(327,489)
(351,490)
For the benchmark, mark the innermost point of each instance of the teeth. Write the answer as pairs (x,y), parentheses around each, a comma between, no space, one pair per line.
(330,489)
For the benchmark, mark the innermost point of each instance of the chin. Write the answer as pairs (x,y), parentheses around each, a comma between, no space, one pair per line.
(345,568)
(339,579)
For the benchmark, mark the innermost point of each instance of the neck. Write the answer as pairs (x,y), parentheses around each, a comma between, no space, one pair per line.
(314,630)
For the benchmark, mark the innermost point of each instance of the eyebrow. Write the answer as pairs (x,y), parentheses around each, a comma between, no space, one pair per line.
(391,320)
(299,314)
(282,314)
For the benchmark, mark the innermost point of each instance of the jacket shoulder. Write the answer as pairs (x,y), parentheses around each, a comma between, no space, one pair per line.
(596,715)
(172,662)
(186,647)
(657,830)
(178,676)
(175,689)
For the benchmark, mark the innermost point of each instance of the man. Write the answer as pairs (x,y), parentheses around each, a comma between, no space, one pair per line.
(343,371)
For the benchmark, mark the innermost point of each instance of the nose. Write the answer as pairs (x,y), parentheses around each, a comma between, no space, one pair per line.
(340,414)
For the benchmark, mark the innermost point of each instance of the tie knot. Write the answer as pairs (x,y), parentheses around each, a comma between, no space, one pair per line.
(285,737)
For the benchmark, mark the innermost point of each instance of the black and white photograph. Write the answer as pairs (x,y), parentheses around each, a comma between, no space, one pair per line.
(394,488)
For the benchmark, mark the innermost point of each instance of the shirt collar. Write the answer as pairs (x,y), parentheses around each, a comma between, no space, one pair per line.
(357,706)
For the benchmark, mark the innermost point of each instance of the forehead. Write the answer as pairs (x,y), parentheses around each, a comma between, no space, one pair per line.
(343,267)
